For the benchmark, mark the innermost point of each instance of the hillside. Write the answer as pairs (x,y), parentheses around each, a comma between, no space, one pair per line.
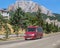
(57,16)
(30,6)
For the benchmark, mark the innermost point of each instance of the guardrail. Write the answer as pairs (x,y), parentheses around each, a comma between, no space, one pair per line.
(13,35)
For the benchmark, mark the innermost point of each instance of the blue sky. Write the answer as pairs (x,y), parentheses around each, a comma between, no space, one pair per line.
(53,5)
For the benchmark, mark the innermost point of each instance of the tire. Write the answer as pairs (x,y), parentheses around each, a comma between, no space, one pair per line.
(25,39)
(41,37)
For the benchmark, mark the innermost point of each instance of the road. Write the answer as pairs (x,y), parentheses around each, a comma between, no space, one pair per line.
(46,42)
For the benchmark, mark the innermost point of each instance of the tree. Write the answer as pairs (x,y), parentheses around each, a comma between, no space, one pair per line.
(59,29)
(17,20)
(3,24)
(31,18)
(48,28)
(39,18)
(55,28)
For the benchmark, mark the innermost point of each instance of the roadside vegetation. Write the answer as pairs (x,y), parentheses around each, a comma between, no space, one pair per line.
(19,20)
(4,26)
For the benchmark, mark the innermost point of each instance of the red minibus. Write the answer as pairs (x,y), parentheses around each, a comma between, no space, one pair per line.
(33,32)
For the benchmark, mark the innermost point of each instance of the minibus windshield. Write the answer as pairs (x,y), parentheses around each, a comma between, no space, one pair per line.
(31,29)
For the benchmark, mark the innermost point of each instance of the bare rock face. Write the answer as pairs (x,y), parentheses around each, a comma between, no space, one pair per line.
(29,6)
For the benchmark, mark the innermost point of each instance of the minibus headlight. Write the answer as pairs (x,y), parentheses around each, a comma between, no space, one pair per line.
(32,34)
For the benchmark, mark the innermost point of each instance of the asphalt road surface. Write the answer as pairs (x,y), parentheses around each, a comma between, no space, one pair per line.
(47,42)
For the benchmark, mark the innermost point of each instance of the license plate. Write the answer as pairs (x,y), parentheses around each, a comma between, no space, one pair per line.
(28,38)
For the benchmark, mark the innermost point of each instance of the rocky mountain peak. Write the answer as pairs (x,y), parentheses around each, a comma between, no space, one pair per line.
(30,6)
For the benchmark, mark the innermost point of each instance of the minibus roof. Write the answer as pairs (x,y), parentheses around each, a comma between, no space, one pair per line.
(33,26)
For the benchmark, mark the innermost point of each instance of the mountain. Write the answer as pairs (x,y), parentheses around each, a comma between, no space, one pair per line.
(29,6)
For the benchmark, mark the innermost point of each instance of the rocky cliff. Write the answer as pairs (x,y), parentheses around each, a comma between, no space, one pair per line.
(30,6)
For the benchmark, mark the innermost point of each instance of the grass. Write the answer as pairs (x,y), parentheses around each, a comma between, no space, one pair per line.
(2,32)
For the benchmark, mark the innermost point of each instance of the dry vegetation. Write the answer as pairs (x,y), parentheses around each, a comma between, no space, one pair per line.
(12,31)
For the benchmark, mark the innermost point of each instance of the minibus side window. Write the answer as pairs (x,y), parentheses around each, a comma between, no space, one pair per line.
(39,29)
